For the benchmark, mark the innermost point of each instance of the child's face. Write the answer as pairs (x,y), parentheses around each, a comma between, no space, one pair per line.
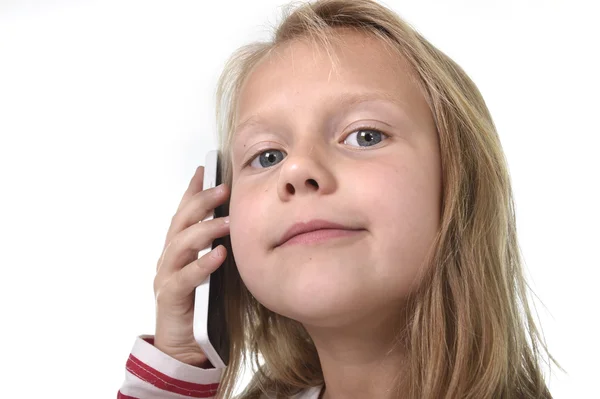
(391,190)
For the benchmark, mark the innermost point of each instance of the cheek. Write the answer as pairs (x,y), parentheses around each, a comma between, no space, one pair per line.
(242,221)
(248,211)
(408,221)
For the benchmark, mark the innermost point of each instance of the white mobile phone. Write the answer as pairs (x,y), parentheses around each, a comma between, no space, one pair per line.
(210,325)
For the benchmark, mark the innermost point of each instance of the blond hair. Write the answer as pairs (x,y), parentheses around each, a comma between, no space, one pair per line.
(471,333)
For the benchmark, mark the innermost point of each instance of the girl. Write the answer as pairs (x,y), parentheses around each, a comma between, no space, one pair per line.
(370,245)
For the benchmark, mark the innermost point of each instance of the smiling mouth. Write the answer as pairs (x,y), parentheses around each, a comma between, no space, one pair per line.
(320,236)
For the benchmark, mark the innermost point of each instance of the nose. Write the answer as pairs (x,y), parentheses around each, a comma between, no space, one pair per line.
(304,173)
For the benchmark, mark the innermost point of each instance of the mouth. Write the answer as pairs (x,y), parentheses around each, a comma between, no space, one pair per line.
(316,231)
(317,236)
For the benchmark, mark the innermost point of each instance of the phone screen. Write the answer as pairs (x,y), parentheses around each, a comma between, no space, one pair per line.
(217,323)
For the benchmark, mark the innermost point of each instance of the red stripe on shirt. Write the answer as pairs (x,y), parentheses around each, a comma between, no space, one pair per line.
(170,384)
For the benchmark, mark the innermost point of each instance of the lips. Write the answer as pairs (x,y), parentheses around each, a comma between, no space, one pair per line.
(313,225)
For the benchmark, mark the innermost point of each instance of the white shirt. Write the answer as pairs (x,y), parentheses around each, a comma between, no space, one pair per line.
(152,374)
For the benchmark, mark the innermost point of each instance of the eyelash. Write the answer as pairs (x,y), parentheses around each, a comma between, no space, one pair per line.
(257,153)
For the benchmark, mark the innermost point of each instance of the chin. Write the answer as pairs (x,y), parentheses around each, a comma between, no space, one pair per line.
(325,306)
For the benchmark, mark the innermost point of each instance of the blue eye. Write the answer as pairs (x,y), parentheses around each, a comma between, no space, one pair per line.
(267,159)
(365,137)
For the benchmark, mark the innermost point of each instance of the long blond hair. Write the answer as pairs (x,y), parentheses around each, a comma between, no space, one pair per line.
(471,333)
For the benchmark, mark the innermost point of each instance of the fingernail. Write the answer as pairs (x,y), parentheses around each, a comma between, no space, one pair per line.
(217,252)
(226,220)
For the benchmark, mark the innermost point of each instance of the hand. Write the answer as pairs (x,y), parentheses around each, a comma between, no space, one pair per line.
(179,272)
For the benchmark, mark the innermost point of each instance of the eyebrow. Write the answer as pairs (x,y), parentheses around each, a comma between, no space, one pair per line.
(344,100)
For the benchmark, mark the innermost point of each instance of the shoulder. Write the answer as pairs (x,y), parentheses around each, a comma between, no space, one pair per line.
(308,393)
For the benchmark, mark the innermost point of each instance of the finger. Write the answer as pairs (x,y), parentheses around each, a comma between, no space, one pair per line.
(172,288)
(196,209)
(193,274)
(184,247)
(195,186)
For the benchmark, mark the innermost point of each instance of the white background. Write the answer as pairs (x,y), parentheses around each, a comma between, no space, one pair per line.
(106,109)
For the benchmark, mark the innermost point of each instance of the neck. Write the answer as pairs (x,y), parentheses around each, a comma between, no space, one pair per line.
(363,360)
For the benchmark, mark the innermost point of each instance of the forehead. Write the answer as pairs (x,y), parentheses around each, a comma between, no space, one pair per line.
(300,74)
